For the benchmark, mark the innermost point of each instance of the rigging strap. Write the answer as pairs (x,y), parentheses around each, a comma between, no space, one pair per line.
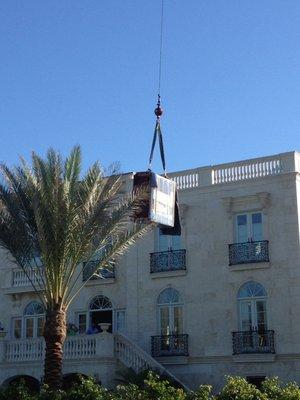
(157,132)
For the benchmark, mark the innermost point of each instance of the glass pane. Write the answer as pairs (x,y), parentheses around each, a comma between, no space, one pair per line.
(34,308)
(40,326)
(256,218)
(257,233)
(164,321)
(176,242)
(245,316)
(251,289)
(163,242)
(120,321)
(100,303)
(82,323)
(178,321)
(242,231)
(17,328)
(29,327)
(261,315)
(169,295)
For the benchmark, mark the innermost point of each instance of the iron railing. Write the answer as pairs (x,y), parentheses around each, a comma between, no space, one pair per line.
(169,345)
(88,272)
(246,342)
(171,260)
(249,252)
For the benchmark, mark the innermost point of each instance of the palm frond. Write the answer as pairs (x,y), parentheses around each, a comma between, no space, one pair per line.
(50,215)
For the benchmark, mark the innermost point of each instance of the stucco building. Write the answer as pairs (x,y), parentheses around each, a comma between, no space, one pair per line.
(223,298)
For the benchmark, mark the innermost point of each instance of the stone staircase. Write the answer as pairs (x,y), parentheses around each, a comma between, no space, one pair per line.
(132,356)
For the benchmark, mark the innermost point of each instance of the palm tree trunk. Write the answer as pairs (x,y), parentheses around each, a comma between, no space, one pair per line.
(55,335)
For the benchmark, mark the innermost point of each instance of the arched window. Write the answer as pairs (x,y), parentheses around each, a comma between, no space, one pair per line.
(100,311)
(34,308)
(170,312)
(100,303)
(252,299)
(31,324)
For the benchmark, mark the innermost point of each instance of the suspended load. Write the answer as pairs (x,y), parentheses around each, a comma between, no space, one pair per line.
(159,203)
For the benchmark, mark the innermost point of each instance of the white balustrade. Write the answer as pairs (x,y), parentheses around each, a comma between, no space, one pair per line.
(75,348)
(132,356)
(80,347)
(21,279)
(188,180)
(246,170)
(234,172)
(24,350)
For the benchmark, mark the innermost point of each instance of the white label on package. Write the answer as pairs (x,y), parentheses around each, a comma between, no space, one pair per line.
(162,203)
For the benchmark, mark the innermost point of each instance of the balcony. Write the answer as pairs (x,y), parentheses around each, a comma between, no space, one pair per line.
(172,260)
(75,348)
(249,252)
(253,342)
(17,281)
(104,275)
(169,345)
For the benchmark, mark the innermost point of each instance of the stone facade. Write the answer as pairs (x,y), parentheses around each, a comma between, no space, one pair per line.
(254,298)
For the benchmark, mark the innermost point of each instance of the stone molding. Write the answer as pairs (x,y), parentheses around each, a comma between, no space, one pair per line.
(260,200)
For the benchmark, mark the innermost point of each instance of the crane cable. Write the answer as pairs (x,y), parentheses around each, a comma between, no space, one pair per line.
(158,110)
(161,45)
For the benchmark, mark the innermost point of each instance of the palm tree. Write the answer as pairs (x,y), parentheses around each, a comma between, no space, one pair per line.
(51,216)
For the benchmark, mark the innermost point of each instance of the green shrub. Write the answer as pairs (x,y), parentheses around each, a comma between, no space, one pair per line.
(274,390)
(202,393)
(155,387)
(16,392)
(237,388)
(47,394)
(87,389)
(129,392)
(162,389)
(128,376)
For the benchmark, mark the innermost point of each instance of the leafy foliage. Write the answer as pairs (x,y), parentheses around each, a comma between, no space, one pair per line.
(237,388)
(51,215)
(275,390)
(156,388)
(16,392)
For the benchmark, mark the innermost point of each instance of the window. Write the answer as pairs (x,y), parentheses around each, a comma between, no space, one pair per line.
(82,325)
(120,324)
(17,328)
(252,298)
(31,325)
(170,310)
(249,227)
(34,320)
(100,311)
(168,242)
(100,303)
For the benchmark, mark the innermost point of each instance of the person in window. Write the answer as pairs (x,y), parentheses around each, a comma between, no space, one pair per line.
(92,330)
(71,329)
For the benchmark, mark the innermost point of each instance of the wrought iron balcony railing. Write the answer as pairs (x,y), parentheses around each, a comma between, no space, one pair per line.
(169,345)
(249,252)
(88,272)
(247,342)
(172,260)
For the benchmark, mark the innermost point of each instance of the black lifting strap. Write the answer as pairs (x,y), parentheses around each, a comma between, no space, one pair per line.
(157,132)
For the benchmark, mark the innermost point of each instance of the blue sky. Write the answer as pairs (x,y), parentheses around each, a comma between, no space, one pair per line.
(85,72)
